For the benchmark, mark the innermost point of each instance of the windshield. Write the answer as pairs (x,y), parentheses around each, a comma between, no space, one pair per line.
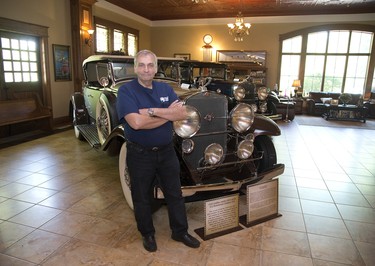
(123,70)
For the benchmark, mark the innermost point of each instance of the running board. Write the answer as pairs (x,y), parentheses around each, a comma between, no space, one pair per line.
(90,133)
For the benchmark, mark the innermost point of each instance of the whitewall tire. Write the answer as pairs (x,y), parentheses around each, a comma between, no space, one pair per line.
(124,176)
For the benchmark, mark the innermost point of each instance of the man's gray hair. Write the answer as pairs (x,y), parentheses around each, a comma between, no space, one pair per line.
(144,53)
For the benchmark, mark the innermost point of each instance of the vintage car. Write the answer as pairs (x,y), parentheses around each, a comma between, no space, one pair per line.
(214,77)
(221,150)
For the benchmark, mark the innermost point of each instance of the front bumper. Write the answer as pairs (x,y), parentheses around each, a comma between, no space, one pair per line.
(229,186)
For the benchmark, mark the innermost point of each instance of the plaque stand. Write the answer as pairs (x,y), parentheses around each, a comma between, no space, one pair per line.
(262,203)
(221,217)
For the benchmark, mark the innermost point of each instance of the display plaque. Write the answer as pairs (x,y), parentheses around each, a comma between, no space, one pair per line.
(221,217)
(262,203)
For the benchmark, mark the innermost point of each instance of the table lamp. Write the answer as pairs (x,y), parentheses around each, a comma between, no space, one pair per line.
(296,84)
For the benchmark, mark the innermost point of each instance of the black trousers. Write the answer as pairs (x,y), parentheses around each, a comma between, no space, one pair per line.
(144,166)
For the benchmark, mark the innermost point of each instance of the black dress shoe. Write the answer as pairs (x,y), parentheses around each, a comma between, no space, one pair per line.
(149,243)
(188,240)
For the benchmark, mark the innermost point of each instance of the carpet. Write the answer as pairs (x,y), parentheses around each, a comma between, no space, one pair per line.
(306,120)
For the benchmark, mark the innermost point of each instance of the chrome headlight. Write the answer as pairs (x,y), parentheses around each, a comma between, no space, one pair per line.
(238,92)
(263,107)
(187,145)
(245,149)
(262,93)
(188,127)
(242,117)
(213,154)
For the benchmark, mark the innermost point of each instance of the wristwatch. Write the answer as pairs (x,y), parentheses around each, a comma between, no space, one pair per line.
(150,112)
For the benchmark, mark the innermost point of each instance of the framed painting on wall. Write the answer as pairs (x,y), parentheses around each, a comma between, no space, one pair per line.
(182,56)
(62,62)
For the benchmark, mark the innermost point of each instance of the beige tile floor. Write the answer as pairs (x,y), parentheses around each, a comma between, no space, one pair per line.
(61,204)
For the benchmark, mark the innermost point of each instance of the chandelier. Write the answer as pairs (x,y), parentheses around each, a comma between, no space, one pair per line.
(239,28)
(197,1)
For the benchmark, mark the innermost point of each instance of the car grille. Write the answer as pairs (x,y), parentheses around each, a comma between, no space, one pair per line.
(213,109)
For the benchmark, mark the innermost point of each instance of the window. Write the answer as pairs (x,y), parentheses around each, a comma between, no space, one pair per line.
(114,38)
(332,60)
(19,56)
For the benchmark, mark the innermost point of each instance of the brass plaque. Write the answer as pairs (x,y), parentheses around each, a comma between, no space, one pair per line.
(262,200)
(221,214)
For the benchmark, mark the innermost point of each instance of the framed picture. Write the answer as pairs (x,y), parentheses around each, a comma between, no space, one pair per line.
(62,62)
(183,56)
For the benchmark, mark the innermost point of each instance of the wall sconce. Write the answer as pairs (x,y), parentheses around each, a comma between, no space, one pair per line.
(88,40)
(207,48)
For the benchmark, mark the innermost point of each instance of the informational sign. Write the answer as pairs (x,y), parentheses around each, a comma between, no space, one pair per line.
(262,202)
(221,216)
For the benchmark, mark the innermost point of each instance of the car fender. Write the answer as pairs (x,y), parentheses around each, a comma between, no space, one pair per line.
(117,135)
(263,125)
(77,105)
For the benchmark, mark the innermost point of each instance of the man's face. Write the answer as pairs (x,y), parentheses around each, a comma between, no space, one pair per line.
(146,68)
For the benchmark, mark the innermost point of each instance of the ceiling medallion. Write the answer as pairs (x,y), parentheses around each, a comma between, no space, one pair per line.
(239,28)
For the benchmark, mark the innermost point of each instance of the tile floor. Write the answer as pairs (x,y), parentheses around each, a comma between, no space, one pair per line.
(61,204)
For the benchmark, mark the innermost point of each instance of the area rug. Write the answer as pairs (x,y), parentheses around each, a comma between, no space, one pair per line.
(321,122)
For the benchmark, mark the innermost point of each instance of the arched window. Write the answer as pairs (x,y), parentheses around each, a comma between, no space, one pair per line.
(336,58)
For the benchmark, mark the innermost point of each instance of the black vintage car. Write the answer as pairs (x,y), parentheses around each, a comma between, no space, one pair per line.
(213,76)
(221,149)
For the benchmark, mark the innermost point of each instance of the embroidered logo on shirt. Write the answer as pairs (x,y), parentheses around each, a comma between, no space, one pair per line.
(164,99)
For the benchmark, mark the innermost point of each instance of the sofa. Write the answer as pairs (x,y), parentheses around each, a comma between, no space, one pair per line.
(316,102)
(370,104)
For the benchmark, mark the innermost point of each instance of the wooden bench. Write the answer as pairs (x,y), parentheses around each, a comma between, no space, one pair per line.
(22,110)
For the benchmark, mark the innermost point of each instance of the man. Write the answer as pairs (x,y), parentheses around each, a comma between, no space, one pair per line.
(147,109)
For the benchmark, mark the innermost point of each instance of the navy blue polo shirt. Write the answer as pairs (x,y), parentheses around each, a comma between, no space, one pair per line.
(133,96)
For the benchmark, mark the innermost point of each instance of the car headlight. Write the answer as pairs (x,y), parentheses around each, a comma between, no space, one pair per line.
(242,117)
(245,148)
(262,93)
(254,107)
(187,145)
(238,92)
(188,127)
(213,154)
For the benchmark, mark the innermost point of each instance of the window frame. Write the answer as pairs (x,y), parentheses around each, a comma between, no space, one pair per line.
(368,86)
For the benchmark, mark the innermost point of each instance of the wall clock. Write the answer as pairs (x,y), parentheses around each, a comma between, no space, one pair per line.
(207,39)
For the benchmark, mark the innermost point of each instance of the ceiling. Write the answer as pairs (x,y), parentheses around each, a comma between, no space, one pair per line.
(186,9)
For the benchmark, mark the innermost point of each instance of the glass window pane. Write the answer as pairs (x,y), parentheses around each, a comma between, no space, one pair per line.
(334,73)
(32,56)
(23,45)
(15,44)
(17,66)
(118,41)
(313,73)
(7,66)
(25,66)
(32,46)
(361,42)
(16,55)
(26,76)
(6,54)
(34,76)
(102,36)
(356,73)
(338,41)
(8,77)
(33,67)
(24,56)
(289,72)
(17,76)
(132,44)
(292,45)
(317,42)
(5,43)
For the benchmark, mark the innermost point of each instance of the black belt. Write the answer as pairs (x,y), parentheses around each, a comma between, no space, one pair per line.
(156,148)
